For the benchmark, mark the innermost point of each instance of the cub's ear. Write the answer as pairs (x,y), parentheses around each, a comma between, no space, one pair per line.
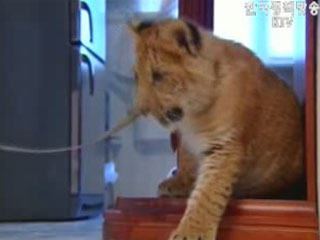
(136,26)
(188,37)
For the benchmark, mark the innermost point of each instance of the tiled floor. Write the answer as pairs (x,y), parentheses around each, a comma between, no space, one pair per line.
(90,229)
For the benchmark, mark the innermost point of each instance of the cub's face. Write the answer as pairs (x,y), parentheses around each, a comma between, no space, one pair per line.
(167,71)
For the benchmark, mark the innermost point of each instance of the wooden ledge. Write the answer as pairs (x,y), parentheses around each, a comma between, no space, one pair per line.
(155,218)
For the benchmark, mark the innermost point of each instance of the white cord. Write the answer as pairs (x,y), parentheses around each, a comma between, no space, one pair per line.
(108,134)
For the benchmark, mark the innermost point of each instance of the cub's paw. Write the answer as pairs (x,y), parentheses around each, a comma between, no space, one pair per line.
(175,186)
(189,235)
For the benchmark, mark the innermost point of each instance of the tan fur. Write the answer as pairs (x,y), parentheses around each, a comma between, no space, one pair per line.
(239,121)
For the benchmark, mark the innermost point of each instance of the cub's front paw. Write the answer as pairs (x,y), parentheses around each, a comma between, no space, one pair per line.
(192,235)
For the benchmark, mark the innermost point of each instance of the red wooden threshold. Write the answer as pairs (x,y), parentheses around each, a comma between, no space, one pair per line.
(155,218)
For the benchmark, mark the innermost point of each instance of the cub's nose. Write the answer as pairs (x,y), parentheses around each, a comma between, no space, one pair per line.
(174,114)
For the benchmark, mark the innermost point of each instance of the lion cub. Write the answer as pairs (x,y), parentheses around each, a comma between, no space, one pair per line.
(236,117)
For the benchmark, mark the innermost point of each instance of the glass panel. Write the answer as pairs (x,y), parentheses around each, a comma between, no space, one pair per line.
(276,27)
(274,30)
(227,25)
(164,7)
(144,145)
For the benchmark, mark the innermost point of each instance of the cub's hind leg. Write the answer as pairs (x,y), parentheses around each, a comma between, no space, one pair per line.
(182,182)
(218,171)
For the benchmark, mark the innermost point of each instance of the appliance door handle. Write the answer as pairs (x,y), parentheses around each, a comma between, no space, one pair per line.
(84,6)
(86,60)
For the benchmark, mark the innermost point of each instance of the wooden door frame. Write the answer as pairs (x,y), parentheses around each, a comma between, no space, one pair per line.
(199,11)
(310,108)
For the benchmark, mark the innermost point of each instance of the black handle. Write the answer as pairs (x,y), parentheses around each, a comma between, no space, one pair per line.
(86,7)
(85,59)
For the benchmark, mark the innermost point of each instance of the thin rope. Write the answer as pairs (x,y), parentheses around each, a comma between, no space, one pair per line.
(17,149)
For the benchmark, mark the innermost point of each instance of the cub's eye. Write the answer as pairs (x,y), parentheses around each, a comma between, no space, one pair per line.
(157,77)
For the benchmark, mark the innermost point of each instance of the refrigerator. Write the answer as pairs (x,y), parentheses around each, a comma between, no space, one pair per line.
(52,94)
